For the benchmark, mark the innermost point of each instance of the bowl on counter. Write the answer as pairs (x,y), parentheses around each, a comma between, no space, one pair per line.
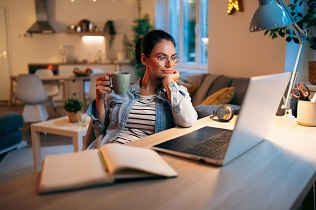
(82,73)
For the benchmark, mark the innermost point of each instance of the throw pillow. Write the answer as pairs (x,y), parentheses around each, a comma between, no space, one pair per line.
(223,96)
(190,87)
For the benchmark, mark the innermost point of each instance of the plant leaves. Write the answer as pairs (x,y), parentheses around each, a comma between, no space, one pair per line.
(288,39)
(306,21)
(281,33)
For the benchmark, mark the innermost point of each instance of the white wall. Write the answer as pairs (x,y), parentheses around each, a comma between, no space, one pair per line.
(41,48)
(236,52)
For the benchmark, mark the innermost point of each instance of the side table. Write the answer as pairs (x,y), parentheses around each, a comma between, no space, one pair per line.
(59,126)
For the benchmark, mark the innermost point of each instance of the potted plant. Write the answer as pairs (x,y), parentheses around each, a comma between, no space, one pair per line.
(109,30)
(306,21)
(72,106)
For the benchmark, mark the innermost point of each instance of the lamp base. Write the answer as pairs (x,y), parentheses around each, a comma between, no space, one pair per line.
(288,114)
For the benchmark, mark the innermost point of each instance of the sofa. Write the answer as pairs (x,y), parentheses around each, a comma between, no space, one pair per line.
(10,132)
(204,85)
(220,89)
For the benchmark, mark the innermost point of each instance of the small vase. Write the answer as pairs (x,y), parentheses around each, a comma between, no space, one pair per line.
(312,72)
(73,117)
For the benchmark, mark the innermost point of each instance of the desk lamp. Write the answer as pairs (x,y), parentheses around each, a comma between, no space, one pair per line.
(269,15)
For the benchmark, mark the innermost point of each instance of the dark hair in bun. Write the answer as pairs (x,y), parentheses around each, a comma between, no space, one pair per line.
(147,43)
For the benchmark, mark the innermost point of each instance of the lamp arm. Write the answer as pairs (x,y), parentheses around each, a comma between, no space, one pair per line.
(301,35)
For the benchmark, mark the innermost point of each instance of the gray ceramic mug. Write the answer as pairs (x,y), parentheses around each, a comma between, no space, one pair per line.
(120,82)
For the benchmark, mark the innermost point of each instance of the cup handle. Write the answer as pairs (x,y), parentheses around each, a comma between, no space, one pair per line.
(111,83)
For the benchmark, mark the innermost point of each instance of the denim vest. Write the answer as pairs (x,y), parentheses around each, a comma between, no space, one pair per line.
(117,108)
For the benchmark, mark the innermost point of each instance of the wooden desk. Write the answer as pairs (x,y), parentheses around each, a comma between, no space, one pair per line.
(276,174)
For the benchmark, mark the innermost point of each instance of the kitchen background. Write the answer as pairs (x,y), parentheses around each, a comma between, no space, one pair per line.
(61,15)
(232,50)
(25,48)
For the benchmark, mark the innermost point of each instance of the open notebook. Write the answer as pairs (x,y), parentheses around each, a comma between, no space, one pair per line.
(104,165)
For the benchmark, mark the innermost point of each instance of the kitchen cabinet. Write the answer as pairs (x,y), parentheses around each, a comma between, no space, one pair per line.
(74,88)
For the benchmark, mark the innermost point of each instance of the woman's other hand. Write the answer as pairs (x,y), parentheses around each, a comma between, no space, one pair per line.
(174,77)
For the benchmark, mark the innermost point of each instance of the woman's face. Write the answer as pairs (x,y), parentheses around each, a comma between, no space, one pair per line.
(162,59)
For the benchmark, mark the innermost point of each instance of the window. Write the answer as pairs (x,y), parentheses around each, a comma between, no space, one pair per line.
(187,22)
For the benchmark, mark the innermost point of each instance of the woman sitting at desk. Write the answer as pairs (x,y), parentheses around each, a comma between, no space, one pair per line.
(153,104)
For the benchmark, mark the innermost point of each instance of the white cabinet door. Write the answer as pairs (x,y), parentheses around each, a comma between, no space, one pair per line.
(74,89)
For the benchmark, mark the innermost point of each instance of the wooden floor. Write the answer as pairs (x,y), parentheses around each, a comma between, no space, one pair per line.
(46,139)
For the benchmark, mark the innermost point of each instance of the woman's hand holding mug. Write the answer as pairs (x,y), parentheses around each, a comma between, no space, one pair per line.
(103,84)
(118,81)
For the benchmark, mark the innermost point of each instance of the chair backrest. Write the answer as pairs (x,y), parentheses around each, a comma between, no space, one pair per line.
(30,89)
(51,89)
(93,78)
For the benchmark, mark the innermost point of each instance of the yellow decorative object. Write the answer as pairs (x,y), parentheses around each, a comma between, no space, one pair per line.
(234,5)
(223,96)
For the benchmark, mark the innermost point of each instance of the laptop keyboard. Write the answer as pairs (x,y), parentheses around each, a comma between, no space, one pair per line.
(214,147)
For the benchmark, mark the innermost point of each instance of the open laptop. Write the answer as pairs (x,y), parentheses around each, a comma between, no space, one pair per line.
(255,118)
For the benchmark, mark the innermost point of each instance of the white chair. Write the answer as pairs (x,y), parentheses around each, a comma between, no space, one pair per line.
(50,89)
(30,90)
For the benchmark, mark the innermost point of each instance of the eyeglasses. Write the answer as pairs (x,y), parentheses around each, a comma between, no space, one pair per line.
(163,59)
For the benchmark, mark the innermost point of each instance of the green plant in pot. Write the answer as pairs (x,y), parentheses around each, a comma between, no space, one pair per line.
(73,106)
(306,21)
(109,30)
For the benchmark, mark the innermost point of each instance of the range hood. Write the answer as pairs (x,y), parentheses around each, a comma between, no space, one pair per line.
(41,25)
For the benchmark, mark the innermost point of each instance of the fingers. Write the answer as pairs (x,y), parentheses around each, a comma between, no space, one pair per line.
(103,84)
(103,88)
(176,76)
(103,78)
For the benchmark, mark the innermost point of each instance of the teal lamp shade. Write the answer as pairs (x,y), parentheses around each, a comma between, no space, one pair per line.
(269,15)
